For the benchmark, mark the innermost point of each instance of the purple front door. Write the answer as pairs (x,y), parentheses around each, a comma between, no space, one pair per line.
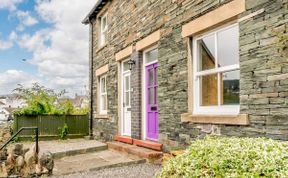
(151,102)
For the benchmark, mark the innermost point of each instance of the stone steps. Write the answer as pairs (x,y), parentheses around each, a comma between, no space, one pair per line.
(135,150)
(94,161)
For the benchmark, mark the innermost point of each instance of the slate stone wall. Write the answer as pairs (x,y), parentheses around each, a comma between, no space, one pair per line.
(263,66)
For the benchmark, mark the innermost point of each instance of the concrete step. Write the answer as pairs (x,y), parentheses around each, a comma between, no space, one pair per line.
(70,147)
(135,150)
(94,161)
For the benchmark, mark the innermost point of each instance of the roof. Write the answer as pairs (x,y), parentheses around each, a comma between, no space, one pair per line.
(10,110)
(95,10)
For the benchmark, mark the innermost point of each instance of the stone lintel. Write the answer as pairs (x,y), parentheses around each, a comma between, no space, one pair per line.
(213,18)
(124,53)
(102,70)
(148,41)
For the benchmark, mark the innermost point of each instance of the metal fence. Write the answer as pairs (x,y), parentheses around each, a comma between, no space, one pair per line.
(51,125)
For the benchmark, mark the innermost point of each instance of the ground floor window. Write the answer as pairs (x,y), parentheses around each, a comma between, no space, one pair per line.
(103,95)
(216,71)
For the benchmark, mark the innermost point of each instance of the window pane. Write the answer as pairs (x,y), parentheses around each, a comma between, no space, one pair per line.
(127,98)
(209,90)
(155,82)
(126,66)
(150,73)
(206,47)
(228,47)
(229,83)
(104,23)
(151,55)
(151,95)
(127,83)
(103,102)
(103,85)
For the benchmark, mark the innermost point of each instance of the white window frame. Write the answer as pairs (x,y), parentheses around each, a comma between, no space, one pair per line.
(211,110)
(101,94)
(103,29)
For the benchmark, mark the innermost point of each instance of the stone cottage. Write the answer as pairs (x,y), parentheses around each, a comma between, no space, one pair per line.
(170,71)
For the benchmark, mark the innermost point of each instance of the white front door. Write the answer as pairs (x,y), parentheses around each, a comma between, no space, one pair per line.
(126,124)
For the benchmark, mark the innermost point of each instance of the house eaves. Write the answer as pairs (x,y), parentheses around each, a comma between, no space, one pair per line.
(95,10)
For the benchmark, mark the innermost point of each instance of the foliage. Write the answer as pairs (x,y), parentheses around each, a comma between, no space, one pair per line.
(230,157)
(63,131)
(44,101)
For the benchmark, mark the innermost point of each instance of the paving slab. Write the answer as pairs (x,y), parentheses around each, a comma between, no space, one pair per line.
(93,161)
(69,147)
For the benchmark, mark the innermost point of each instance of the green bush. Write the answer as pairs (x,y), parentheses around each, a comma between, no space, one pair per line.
(230,157)
(44,101)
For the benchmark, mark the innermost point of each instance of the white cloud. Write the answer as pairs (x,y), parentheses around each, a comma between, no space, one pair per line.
(25,20)
(61,52)
(9,4)
(7,44)
(11,78)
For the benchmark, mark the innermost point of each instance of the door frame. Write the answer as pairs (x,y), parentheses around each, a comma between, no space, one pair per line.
(144,103)
(122,97)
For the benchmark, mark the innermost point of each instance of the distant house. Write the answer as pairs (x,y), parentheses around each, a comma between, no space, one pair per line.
(80,101)
(12,101)
(170,71)
(6,114)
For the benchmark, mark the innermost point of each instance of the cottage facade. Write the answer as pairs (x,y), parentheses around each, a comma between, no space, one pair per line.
(174,70)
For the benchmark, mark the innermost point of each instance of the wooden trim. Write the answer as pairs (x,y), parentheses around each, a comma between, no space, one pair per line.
(124,53)
(148,41)
(102,70)
(241,119)
(213,18)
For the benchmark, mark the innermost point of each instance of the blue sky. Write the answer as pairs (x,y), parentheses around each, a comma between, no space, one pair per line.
(42,32)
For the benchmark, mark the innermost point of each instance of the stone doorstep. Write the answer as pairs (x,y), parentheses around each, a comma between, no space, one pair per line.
(59,155)
(123,139)
(141,143)
(135,150)
(148,144)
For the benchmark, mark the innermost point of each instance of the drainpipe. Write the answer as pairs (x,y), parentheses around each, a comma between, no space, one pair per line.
(91,79)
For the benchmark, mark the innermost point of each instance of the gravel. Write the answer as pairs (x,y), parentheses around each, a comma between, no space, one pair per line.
(133,171)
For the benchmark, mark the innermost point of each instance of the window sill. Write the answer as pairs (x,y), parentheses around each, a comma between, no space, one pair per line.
(101,47)
(240,119)
(102,116)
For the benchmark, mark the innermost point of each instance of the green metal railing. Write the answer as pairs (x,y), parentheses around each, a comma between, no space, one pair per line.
(19,131)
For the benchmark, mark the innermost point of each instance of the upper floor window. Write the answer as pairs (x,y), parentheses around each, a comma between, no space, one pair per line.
(216,71)
(103,29)
(103,95)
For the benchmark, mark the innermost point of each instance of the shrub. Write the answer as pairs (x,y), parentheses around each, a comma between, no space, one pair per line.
(230,157)
(44,101)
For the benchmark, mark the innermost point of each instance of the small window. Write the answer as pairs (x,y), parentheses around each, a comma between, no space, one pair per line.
(151,56)
(216,72)
(103,29)
(103,95)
